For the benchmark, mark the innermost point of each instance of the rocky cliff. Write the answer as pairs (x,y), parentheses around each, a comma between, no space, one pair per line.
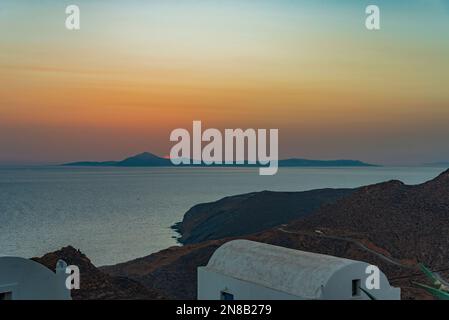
(249,213)
(95,284)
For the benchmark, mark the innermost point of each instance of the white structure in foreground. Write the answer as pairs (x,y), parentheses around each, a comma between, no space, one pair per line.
(247,270)
(25,279)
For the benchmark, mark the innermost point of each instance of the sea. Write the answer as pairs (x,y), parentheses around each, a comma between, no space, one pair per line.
(119,214)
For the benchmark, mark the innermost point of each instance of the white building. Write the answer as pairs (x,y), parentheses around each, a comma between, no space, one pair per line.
(25,279)
(247,270)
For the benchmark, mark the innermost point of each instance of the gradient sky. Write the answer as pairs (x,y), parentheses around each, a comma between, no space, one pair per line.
(138,69)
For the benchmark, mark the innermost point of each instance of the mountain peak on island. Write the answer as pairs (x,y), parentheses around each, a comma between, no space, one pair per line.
(146,154)
(143,156)
(144,159)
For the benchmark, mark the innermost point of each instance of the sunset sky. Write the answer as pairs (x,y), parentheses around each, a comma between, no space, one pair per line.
(139,69)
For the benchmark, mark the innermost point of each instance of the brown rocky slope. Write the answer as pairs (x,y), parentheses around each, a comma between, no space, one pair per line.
(250,213)
(389,224)
(95,284)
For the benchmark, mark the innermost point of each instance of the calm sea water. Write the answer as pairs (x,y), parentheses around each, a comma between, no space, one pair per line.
(118,214)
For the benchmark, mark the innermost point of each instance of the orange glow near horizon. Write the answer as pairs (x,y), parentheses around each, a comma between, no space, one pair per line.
(131,75)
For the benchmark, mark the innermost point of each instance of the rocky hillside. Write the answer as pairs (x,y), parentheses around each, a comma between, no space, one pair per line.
(94,283)
(410,222)
(249,213)
(390,224)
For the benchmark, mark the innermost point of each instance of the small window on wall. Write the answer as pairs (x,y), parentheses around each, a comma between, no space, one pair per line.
(5,295)
(226,296)
(356,288)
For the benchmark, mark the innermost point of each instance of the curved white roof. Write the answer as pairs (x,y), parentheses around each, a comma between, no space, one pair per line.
(291,271)
(30,280)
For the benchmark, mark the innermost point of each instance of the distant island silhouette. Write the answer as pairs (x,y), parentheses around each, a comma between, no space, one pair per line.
(147,159)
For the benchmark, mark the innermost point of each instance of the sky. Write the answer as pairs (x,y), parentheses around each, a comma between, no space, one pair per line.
(139,69)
